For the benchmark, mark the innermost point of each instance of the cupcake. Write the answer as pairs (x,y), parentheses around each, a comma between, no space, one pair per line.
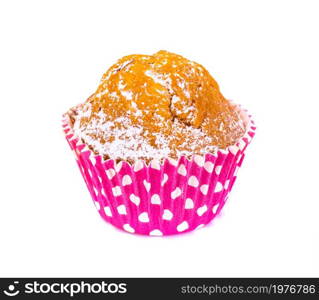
(158,145)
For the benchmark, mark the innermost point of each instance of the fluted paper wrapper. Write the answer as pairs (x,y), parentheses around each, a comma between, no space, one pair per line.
(160,198)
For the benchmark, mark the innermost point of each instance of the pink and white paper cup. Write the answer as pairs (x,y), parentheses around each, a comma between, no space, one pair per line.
(161,198)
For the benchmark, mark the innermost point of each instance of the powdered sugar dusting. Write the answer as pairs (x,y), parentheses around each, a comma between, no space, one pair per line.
(124,140)
(156,107)
(163,80)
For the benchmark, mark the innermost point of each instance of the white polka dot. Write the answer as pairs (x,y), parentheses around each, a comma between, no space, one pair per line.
(242,144)
(176,193)
(200,226)
(204,189)
(138,166)
(226,184)
(135,199)
(97,205)
(121,209)
(218,187)
(118,166)
(189,203)
(126,180)
(116,191)
(199,160)
(95,190)
(128,228)
(193,181)
(143,217)
(182,170)
(155,199)
(147,185)
(173,162)
(165,178)
(209,166)
(214,209)
(233,149)
(156,232)
(248,137)
(182,227)
(201,210)
(218,169)
(155,164)
(167,215)
(110,173)
(78,144)
(107,211)
(236,170)
(85,149)
(222,151)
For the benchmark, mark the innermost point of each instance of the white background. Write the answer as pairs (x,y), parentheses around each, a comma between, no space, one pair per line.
(264,54)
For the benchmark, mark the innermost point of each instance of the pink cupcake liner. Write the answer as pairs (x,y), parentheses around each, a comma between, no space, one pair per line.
(166,198)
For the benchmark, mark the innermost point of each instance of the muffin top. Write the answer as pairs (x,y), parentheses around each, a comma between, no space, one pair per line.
(156,106)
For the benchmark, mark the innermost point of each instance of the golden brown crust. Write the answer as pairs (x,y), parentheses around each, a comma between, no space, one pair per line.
(166,95)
